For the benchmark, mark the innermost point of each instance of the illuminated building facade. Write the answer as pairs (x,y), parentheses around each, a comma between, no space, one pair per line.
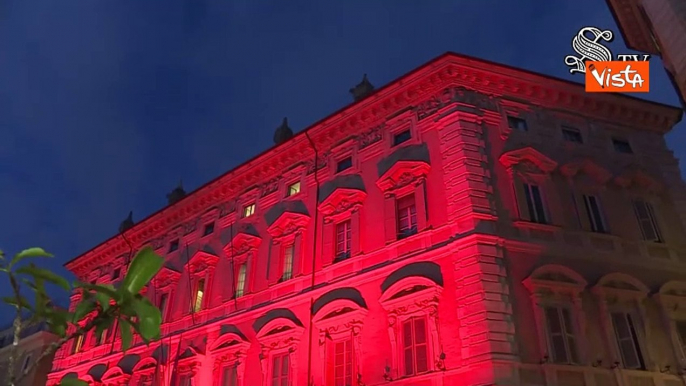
(656,27)
(467,224)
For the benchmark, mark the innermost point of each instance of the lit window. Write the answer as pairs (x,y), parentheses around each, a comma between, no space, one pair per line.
(164,299)
(288,253)
(621,146)
(78,344)
(199,292)
(594,214)
(240,285)
(534,202)
(415,348)
(627,340)
(209,229)
(561,338)
(646,220)
(249,210)
(343,240)
(343,363)
(571,134)
(174,245)
(281,370)
(230,376)
(344,164)
(517,123)
(401,137)
(293,189)
(407,216)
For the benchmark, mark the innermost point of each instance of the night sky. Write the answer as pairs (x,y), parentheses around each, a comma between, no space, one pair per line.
(106,104)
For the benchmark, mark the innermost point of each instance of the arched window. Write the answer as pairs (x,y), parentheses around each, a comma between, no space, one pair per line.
(229,351)
(279,333)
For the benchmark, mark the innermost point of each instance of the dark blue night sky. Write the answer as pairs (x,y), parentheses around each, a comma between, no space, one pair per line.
(105,105)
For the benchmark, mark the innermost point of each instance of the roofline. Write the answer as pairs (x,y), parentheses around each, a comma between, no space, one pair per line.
(301,133)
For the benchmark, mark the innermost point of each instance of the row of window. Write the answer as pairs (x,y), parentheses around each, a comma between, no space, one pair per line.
(571,134)
(645,214)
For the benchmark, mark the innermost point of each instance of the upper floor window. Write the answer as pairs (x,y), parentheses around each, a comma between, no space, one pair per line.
(561,339)
(293,189)
(116,273)
(647,221)
(249,210)
(401,137)
(517,123)
(288,253)
(281,370)
(343,240)
(241,280)
(415,346)
(621,146)
(407,216)
(164,300)
(78,344)
(627,340)
(534,203)
(594,213)
(230,376)
(198,295)
(185,380)
(174,245)
(342,362)
(344,164)
(571,134)
(209,229)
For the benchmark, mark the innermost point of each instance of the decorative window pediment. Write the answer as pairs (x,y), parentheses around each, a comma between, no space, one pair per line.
(408,299)
(528,163)
(555,280)
(341,196)
(407,166)
(201,261)
(243,241)
(586,166)
(189,362)
(635,176)
(166,277)
(115,376)
(287,219)
(144,371)
(230,349)
(279,332)
(619,287)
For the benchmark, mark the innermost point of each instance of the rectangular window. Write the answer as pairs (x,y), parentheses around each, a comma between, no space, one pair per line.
(293,189)
(209,229)
(288,253)
(627,340)
(646,220)
(240,283)
(415,348)
(407,216)
(343,240)
(561,340)
(199,293)
(594,213)
(344,164)
(343,363)
(116,273)
(401,137)
(621,146)
(534,202)
(174,245)
(185,380)
(281,369)
(571,134)
(164,299)
(78,344)
(517,123)
(230,376)
(248,210)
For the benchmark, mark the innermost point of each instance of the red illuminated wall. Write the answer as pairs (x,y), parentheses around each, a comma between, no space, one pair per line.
(441,294)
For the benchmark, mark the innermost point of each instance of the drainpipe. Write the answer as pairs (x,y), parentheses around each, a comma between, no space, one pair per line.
(314,261)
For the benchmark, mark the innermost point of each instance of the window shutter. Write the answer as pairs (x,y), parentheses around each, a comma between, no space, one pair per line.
(298,257)
(391,228)
(356,225)
(646,221)
(625,340)
(421,205)
(328,247)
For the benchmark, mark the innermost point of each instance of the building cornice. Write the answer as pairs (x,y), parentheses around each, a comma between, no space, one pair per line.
(480,81)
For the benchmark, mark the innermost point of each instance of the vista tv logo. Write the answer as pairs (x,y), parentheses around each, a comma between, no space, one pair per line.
(605,73)
(617,76)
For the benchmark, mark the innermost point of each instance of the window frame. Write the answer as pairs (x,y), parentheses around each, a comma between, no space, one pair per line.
(532,207)
(592,221)
(228,350)
(346,253)
(401,205)
(619,142)
(249,209)
(289,192)
(515,118)
(566,131)
(277,337)
(652,218)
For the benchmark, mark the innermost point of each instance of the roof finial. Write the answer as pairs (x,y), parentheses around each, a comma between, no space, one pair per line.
(127,223)
(177,194)
(283,133)
(363,89)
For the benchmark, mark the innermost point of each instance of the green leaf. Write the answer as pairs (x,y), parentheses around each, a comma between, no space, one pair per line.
(126,335)
(72,382)
(17,302)
(31,252)
(149,319)
(44,274)
(84,307)
(143,268)
(103,299)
